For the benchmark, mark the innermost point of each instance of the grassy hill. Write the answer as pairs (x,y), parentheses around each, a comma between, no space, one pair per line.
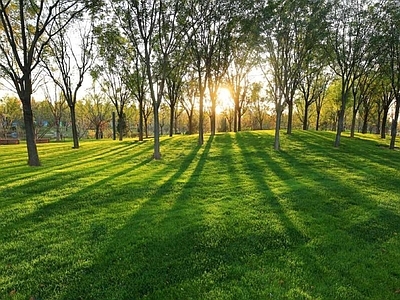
(232,219)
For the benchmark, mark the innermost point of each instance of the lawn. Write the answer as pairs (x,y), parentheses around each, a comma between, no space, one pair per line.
(232,219)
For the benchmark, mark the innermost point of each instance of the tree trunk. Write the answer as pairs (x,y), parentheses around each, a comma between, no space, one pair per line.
(239,124)
(213,114)
(74,128)
(140,121)
(305,120)
(190,121)
(353,123)
(146,127)
(121,122)
(339,126)
(114,126)
(378,125)
(176,116)
(290,117)
(97,134)
(201,111)
(171,120)
(384,122)
(157,153)
(365,121)
(317,122)
(58,130)
(236,114)
(394,126)
(340,123)
(277,145)
(33,156)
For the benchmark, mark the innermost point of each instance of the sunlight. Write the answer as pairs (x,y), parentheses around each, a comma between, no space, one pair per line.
(224,101)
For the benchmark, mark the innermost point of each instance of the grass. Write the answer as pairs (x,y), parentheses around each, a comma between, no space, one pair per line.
(232,219)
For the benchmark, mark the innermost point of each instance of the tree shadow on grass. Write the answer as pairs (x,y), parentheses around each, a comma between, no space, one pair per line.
(68,163)
(347,194)
(172,252)
(68,174)
(142,256)
(345,220)
(188,248)
(34,234)
(192,237)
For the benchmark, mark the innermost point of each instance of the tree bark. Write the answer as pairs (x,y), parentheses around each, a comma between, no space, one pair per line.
(74,128)
(140,120)
(384,122)
(236,114)
(239,124)
(305,120)
(171,120)
(353,123)
(213,117)
(394,125)
(290,117)
(33,156)
(365,121)
(157,153)
(201,109)
(340,126)
(121,122)
(277,145)
(317,122)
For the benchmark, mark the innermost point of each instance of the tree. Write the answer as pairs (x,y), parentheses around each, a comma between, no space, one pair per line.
(319,102)
(113,73)
(152,28)
(259,104)
(312,88)
(147,111)
(188,101)
(98,112)
(26,29)
(385,102)
(139,89)
(348,46)
(393,50)
(242,63)
(209,35)
(201,50)
(362,90)
(174,89)
(58,106)
(10,116)
(291,31)
(71,65)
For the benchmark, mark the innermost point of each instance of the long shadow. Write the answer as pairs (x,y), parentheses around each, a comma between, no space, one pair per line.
(159,250)
(170,246)
(59,164)
(351,218)
(349,194)
(377,155)
(41,182)
(77,208)
(145,256)
(70,201)
(259,161)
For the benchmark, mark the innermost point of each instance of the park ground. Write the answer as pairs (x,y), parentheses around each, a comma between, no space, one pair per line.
(232,219)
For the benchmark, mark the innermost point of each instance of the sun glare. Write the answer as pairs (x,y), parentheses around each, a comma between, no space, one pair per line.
(224,101)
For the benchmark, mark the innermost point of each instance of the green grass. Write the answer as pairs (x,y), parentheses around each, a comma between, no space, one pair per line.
(232,219)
